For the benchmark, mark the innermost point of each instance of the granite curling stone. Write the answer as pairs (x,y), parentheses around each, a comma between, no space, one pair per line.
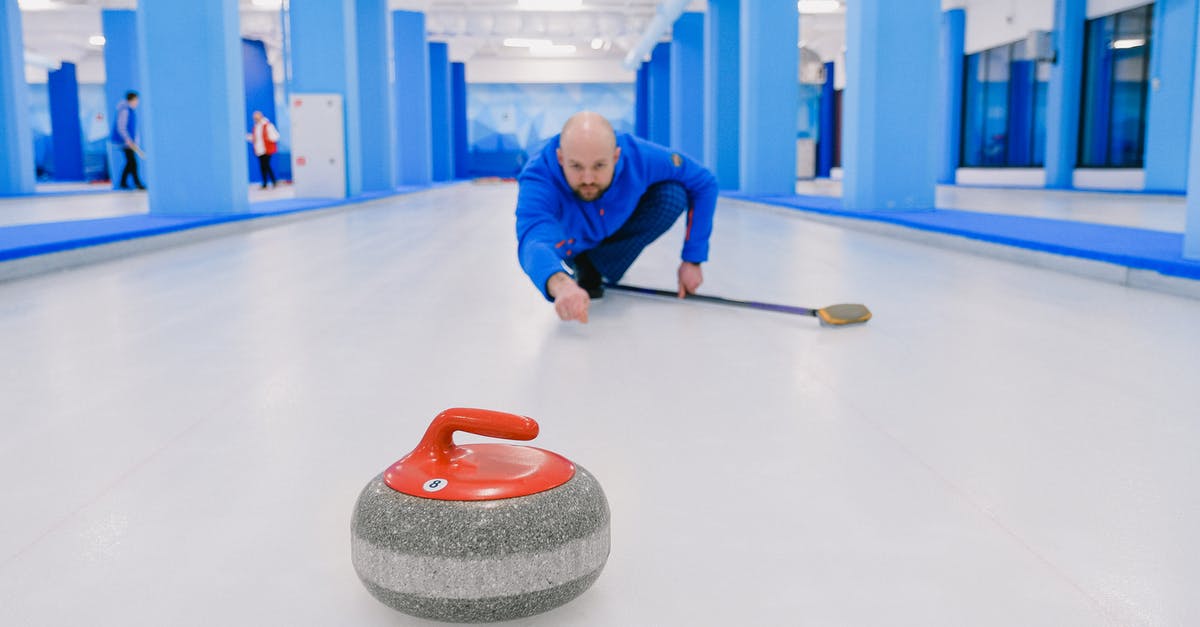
(479,532)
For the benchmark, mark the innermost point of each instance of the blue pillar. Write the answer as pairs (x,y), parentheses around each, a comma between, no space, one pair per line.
(1062,95)
(687,85)
(16,132)
(122,70)
(439,112)
(1191,231)
(324,46)
(66,131)
(658,95)
(192,106)
(891,105)
(770,97)
(1169,112)
(954,28)
(458,98)
(722,61)
(375,97)
(641,104)
(260,96)
(414,158)
(825,138)
(1022,78)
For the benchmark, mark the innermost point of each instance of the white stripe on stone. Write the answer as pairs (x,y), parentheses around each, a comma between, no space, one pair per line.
(465,578)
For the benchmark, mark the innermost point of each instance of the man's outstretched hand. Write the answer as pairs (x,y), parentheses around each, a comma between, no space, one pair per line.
(571,302)
(690,278)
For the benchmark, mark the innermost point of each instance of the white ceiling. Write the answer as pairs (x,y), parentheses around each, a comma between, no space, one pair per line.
(58,30)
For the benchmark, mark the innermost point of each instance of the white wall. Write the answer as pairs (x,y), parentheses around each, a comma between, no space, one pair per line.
(992,23)
(510,70)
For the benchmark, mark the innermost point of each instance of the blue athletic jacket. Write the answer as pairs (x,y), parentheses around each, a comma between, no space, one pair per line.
(554,225)
(125,125)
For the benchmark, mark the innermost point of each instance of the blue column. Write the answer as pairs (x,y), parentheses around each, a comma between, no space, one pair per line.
(458,101)
(722,67)
(770,97)
(192,106)
(954,28)
(122,70)
(687,85)
(641,104)
(891,105)
(439,112)
(16,132)
(658,95)
(260,96)
(414,158)
(375,97)
(1062,95)
(1191,231)
(324,45)
(1169,111)
(825,138)
(65,129)
(1022,78)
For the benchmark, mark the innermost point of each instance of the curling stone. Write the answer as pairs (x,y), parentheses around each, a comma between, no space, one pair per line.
(479,532)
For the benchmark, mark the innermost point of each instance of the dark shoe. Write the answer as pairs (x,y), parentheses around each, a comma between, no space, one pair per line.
(140,186)
(588,277)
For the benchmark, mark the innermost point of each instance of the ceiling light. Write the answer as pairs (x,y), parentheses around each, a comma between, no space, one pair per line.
(550,5)
(96,40)
(552,50)
(521,42)
(37,5)
(819,6)
(1124,44)
(268,4)
(597,43)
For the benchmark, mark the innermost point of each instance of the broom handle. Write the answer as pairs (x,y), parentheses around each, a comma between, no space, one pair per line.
(788,309)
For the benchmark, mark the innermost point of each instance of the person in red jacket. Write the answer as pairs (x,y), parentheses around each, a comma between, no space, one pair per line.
(264,138)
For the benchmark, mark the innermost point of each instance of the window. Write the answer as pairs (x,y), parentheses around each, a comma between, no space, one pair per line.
(1004,108)
(1112,129)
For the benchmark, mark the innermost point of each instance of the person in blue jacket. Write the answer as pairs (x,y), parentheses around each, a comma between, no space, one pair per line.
(124,134)
(592,200)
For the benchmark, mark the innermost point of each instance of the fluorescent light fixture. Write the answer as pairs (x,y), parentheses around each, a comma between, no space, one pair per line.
(521,42)
(819,6)
(552,50)
(96,40)
(37,5)
(268,4)
(1125,44)
(550,5)
(597,43)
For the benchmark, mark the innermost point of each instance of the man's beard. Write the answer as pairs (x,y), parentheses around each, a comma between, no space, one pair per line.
(583,191)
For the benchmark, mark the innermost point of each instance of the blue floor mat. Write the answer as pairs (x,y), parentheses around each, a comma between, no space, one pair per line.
(27,240)
(1143,249)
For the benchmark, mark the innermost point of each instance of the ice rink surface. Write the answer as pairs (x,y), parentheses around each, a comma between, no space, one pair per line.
(185,432)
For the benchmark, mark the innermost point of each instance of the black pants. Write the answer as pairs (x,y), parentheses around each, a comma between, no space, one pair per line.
(264,167)
(130,168)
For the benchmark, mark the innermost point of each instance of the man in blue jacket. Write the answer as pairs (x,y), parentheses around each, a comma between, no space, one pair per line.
(592,200)
(124,134)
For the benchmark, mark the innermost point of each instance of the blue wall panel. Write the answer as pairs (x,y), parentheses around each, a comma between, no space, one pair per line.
(458,101)
(825,132)
(722,69)
(658,95)
(193,106)
(16,135)
(953,41)
(414,156)
(1062,99)
(64,123)
(375,97)
(441,126)
(687,85)
(1169,115)
(641,125)
(770,94)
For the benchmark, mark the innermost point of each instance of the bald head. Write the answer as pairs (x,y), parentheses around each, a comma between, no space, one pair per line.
(588,153)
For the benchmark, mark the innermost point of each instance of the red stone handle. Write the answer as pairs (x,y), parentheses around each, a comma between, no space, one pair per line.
(438,441)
